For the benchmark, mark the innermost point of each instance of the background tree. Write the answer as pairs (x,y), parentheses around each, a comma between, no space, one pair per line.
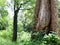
(16,10)
(17,6)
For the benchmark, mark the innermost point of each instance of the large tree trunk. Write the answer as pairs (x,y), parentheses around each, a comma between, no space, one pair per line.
(36,11)
(54,17)
(46,15)
(41,15)
(37,8)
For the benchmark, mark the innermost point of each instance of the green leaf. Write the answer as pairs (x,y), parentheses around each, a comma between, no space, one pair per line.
(2,2)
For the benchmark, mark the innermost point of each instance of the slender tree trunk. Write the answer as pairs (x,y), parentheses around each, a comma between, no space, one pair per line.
(15,22)
(15,25)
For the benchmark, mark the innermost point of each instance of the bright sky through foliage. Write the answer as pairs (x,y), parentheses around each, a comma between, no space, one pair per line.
(10,10)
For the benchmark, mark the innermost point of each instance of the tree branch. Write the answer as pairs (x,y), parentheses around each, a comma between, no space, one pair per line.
(26,9)
(21,5)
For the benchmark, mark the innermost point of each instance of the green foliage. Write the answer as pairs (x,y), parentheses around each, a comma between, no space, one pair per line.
(3,12)
(2,2)
(3,16)
(17,3)
(3,23)
(27,10)
(52,39)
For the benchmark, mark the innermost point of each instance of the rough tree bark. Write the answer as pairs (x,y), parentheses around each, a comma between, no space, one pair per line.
(54,17)
(46,16)
(37,8)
